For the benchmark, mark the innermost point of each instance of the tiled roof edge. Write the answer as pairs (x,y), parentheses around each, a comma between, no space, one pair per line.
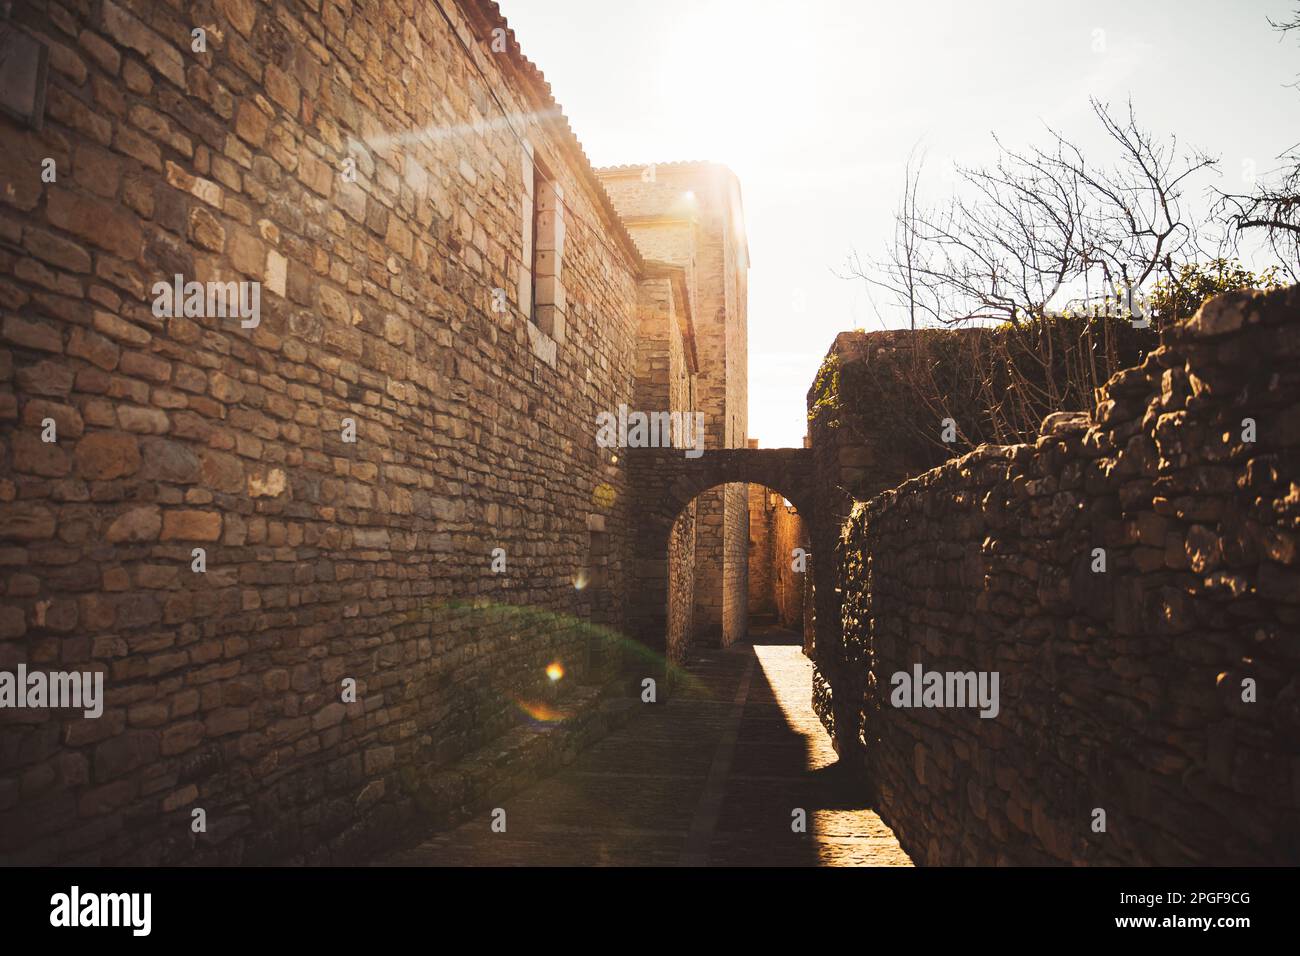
(485,16)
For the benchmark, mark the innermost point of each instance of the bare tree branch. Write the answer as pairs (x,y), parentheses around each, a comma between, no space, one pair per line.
(1273,206)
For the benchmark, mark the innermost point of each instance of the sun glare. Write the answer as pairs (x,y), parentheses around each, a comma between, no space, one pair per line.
(723,75)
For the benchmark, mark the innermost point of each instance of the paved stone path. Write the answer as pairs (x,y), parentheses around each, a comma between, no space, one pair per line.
(710,777)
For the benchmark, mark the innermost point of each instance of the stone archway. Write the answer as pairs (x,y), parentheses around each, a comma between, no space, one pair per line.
(666,482)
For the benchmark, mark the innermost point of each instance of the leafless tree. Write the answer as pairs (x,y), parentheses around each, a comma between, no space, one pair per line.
(1041,222)
(905,240)
(1273,206)
(987,270)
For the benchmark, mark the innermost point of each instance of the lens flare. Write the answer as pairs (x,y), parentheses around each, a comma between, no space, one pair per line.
(540,713)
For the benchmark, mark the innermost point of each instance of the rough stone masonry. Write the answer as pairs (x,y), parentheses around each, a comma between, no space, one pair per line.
(1133,578)
(326,556)
(338,554)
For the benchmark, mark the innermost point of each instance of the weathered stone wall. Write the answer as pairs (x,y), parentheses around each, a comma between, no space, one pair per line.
(666,379)
(726,215)
(325,559)
(761,602)
(788,584)
(1129,689)
(855,459)
(776,589)
(681,587)
(667,482)
(860,453)
(711,571)
(735,543)
(690,214)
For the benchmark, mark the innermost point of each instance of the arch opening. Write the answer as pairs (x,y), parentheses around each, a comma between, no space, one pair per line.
(694,543)
(765,577)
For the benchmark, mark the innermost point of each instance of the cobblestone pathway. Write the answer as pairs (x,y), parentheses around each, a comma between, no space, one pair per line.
(709,778)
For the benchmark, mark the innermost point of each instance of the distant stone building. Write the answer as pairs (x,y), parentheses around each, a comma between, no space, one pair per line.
(690,216)
(386,479)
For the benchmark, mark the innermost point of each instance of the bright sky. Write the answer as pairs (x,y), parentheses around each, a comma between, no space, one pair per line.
(816,104)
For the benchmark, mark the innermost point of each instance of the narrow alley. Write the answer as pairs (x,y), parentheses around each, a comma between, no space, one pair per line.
(711,777)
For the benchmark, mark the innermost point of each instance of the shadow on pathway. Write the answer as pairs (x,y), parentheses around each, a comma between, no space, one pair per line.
(711,777)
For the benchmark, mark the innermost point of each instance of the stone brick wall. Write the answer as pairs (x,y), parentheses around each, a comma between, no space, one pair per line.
(859,452)
(325,559)
(761,602)
(776,590)
(1162,690)
(788,585)
(727,223)
(690,215)
(681,587)
(666,380)
(735,544)
(854,459)
(667,482)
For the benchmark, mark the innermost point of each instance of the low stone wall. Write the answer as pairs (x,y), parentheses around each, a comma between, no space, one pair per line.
(1132,580)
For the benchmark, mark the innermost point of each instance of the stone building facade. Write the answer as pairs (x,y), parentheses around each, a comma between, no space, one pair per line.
(386,480)
(690,215)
